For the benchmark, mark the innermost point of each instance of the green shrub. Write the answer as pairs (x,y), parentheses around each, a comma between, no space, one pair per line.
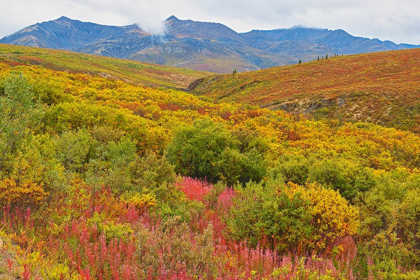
(196,150)
(267,216)
(390,231)
(19,112)
(293,169)
(291,219)
(345,176)
(208,150)
(75,149)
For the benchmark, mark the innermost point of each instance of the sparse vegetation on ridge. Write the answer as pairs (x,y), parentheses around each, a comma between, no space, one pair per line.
(380,88)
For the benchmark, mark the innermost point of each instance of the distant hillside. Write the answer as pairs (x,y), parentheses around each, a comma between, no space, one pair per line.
(197,45)
(382,88)
(308,43)
(118,69)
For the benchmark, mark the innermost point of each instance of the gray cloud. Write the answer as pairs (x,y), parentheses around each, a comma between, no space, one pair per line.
(384,19)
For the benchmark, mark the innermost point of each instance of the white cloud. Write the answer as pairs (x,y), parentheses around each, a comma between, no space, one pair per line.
(384,19)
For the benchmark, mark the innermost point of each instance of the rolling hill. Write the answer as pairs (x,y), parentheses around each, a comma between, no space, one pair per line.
(197,45)
(382,88)
(119,69)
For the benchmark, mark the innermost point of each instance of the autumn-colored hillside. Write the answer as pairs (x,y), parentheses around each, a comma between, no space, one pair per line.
(112,68)
(381,88)
(104,179)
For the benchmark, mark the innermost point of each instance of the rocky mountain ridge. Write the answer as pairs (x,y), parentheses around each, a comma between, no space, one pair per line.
(197,45)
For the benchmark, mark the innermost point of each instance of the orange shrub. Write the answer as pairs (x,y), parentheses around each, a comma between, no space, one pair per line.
(25,194)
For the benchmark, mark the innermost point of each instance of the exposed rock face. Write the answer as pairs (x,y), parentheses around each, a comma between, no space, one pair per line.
(197,45)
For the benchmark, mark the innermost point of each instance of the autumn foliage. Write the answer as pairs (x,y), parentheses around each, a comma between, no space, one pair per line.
(104,179)
(380,87)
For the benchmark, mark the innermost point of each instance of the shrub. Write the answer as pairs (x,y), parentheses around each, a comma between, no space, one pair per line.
(293,169)
(34,172)
(208,150)
(196,150)
(345,176)
(75,149)
(390,229)
(291,218)
(151,173)
(142,202)
(18,112)
(332,218)
(25,194)
(267,216)
(172,250)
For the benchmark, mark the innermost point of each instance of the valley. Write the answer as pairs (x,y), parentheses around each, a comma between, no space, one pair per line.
(116,169)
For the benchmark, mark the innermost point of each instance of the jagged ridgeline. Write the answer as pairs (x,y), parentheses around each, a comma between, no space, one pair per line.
(381,88)
(108,171)
(198,45)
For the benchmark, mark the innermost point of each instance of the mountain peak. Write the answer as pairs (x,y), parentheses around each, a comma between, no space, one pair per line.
(63,18)
(197,45)
(172,18)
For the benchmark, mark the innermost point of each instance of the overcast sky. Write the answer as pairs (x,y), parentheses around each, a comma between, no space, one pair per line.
(398,21)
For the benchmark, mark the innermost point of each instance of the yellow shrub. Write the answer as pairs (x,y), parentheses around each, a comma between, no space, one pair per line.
(142,202)
(333,218)
(25,194)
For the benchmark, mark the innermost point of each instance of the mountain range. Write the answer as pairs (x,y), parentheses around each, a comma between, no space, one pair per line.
(198,45)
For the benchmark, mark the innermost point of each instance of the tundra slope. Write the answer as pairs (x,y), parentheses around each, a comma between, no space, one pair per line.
(382,88)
